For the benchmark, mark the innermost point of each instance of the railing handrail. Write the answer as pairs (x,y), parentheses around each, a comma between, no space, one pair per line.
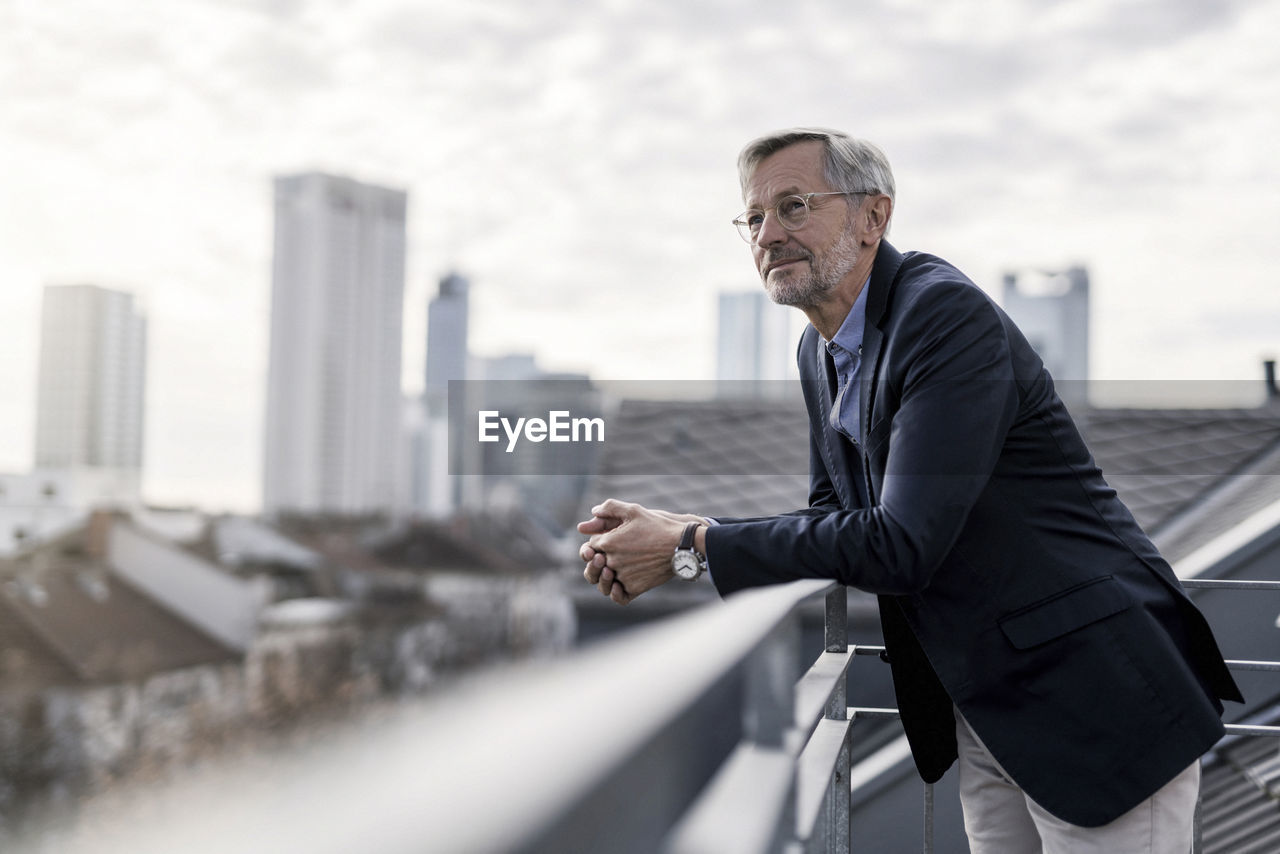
(536,753)
(598,752)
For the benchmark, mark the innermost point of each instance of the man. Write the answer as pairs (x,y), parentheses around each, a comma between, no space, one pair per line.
(1032,628)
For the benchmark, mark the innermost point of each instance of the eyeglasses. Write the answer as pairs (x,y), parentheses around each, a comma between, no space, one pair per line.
(792,211)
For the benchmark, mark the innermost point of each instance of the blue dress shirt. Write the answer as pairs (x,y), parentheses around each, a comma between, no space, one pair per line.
(846,351)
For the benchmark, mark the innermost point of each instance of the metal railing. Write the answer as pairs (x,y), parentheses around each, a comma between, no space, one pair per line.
(785,786)
(1239,664)
(1230,729)
(1234,664)
(695,735)
(698,734)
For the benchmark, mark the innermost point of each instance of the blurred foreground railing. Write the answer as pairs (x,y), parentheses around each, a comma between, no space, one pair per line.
(697,734)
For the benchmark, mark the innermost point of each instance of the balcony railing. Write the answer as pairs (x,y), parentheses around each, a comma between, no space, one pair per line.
(1232,730)
(695,735)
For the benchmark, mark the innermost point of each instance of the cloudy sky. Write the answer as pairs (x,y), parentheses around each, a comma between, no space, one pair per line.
(575,159)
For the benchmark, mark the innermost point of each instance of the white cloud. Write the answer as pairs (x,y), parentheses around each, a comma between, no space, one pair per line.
(577,163)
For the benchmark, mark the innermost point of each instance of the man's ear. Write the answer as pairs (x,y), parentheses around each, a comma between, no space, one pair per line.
(875,215)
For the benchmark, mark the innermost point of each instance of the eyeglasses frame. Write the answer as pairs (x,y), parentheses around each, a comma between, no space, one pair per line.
(739,222)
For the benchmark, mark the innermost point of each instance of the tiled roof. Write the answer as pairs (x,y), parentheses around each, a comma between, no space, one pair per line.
(1191,473)
(725,458)
(756,436)
(1163,461)
(25,660)
(493,543)
(76,622)
(1229,501)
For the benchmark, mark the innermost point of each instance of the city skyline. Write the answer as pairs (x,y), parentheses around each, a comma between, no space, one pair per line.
(576,164)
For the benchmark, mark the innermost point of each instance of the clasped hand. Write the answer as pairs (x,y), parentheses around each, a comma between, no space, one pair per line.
(630,547)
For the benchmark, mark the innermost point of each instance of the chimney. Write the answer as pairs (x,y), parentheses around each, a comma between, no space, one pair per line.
(1273,392)
(97,533)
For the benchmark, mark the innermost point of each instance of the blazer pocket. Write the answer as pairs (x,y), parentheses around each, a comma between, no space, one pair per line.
(1065,612)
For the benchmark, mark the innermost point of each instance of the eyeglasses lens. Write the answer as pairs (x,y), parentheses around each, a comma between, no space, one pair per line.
(792,213)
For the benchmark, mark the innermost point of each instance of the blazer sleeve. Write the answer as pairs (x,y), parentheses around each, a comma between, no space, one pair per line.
(951,400)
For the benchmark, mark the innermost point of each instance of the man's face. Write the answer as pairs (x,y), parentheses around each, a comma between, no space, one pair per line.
(800,268)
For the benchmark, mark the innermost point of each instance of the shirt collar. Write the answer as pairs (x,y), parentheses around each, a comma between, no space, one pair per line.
(849,336)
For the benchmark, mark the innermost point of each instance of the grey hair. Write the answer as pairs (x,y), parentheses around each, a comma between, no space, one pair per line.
(852,165)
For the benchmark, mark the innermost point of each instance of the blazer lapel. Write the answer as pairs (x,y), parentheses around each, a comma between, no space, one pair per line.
(872,338)
(883,274)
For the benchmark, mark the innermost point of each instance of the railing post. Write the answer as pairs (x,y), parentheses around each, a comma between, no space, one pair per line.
(835,631)
(836,639)
(928,818)
(1197,840)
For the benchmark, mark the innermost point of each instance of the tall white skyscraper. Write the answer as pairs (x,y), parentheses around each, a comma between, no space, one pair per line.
(91,384)
(754,344)
(333,391)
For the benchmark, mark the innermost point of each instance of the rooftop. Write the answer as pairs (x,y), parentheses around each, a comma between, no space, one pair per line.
(1187,474)
(66,619)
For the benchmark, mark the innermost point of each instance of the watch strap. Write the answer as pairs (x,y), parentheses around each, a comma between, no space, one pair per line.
(686,538)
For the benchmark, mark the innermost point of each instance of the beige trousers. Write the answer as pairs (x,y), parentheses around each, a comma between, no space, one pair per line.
(1000,819)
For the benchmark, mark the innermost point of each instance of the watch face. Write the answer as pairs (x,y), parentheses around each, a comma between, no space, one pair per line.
(685,565)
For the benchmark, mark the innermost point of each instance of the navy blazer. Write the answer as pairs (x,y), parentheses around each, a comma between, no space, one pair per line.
(1012,581)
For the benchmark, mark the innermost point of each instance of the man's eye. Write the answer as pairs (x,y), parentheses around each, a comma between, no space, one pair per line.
(754,218)
(791,206)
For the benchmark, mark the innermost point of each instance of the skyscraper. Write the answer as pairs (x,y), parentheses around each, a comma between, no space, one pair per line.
(333,391)
(91,381)
(436,492)
(754,346)
(446,338)
(1051,307)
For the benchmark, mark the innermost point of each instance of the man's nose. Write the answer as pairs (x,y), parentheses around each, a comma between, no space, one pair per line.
(771,231)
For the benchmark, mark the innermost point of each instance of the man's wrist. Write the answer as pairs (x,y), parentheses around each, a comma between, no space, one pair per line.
(687,561)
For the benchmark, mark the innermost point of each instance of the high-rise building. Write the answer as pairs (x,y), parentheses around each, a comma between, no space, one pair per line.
(1051,307)
(333,391)
(754,346)
(446,338)
(435,492)
(92,376)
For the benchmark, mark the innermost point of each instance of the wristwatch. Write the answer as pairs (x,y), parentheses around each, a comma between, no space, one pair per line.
(686,563)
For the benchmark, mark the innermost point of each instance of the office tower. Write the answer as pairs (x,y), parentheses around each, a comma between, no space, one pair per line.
(754,346)
(333,392)
(91,381)
(446,338)
(437,492)
(1051,307)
